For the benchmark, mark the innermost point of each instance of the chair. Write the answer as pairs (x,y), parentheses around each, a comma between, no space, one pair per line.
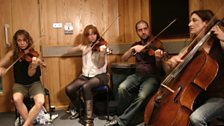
(29,102)
(97,90)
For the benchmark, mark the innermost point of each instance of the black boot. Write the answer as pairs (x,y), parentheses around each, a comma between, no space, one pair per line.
(89,113)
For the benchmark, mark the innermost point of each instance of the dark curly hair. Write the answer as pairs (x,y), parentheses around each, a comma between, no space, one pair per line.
(27,37)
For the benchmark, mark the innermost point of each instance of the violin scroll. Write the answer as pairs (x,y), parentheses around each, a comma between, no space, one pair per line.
(221,22)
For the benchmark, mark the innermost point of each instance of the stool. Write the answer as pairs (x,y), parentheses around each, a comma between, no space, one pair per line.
(100,89)
(29,102)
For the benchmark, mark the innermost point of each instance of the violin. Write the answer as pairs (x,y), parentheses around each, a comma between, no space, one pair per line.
(150,49)
(28,55)
(96,46)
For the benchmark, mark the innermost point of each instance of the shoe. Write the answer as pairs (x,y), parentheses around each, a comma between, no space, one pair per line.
(113,122)
(89,122)
(69,109)
(17,123)
(74,114)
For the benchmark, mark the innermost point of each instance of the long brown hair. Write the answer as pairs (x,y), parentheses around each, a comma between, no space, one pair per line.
(27,37)
(206,16)
(94,30)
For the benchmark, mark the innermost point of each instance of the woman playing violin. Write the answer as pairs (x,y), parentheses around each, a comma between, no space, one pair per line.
(26,76)
(94,71)
(209,104)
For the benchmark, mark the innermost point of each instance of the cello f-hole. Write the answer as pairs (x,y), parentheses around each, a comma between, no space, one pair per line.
(177,93)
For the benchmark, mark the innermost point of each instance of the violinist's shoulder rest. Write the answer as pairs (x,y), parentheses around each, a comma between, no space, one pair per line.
(117,49)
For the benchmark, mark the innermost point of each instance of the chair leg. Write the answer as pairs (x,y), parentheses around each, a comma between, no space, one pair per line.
(20,123)
(81,104)
(49,102)
(49,105)
(107,104)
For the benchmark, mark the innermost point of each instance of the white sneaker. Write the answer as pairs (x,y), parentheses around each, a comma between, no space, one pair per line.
(17,121)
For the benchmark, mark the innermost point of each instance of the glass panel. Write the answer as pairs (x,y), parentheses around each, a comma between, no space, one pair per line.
(177,9)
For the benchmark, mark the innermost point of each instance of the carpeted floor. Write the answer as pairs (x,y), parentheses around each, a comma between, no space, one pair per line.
(8,119)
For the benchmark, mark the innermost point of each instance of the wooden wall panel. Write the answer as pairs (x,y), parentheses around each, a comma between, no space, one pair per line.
(79,13)
(131,11)
(37,16)
(48,16)
(217,6)
(25,15)
(70,68)
(51,78)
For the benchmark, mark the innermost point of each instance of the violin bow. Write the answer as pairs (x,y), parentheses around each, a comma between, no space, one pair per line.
(149,42)
(97,41)
(15,61)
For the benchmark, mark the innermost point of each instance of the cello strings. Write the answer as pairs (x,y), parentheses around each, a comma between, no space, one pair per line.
(180,66)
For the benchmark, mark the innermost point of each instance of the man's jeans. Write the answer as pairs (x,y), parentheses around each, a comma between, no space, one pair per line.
(134,92)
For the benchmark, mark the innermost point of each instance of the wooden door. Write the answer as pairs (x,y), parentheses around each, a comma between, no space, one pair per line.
(6,85)
(15,14)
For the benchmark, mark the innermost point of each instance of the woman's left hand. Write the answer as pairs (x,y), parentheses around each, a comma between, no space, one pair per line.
(36,61)
(102,48)
(218,32)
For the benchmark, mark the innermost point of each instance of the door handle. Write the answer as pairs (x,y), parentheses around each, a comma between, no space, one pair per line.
(6,28)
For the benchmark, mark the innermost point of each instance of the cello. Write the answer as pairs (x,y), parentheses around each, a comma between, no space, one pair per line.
(173,102)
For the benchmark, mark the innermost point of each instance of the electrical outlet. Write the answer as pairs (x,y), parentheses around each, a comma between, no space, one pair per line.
(68,28)
(57,25)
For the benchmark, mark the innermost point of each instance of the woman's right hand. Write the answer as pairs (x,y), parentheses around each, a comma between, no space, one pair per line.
(2,71)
